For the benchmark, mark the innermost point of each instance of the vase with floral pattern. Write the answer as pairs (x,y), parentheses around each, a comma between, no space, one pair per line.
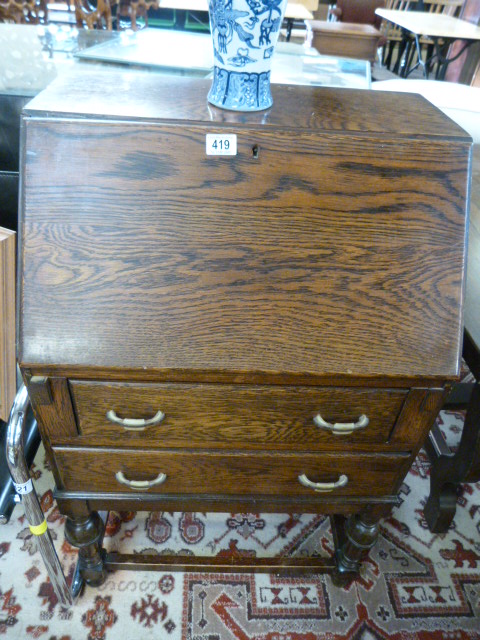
(244,34)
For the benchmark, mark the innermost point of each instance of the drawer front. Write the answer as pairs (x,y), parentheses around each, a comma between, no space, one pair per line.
(228,473)
(214,415)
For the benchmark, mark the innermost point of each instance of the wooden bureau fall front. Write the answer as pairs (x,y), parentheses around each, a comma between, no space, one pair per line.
(273,330)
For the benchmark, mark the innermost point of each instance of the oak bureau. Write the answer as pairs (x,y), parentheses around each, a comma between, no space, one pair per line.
(272,330)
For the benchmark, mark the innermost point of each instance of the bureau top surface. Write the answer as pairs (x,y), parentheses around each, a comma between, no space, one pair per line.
(134,94)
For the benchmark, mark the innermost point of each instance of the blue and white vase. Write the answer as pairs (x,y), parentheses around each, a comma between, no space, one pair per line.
(244,34)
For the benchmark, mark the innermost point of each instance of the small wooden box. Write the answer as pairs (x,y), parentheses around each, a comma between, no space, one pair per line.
(344,39)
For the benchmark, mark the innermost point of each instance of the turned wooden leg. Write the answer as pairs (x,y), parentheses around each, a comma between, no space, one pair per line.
(354,537)
(86,533)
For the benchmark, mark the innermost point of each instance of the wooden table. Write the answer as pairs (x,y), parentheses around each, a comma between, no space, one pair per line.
(442,29)
(294,12)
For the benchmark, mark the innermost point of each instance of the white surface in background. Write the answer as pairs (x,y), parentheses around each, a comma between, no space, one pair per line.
(156,47)
(458,101)
(23,63)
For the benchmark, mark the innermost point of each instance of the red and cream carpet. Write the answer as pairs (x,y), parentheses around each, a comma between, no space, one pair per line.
(415,586)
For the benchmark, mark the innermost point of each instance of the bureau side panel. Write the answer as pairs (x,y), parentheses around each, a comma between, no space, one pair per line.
(326,254)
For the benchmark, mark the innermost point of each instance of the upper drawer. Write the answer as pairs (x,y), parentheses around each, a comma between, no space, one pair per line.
(232,416)
(326,255)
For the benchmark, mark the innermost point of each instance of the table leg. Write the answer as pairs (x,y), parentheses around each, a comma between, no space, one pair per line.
(354,538)
(420,62)
(180,19)
(402,46)
(289,22)
(443,61)
(86,532)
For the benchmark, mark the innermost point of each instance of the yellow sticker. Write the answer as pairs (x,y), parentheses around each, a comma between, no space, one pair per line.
(39,529)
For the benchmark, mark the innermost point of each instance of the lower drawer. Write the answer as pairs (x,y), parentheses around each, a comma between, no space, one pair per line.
(173,472)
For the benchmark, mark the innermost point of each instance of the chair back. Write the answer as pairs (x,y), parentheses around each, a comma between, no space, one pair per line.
(129,10)
(358,11)
(448,7)
(393,32)
(93,17)
(24,11)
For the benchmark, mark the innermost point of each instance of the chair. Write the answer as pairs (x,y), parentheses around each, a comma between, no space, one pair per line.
(449,468)
(394,37)
(128,12)
(393,34)
(465,68)
(446,7)
(357,11)
(24,11)
(93,17)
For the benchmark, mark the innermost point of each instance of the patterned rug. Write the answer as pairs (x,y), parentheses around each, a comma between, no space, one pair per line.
(415,586)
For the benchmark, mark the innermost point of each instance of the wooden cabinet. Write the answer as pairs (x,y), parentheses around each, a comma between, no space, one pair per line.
(273,329)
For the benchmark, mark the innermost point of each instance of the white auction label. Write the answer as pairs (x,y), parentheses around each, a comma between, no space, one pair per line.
(24,488)
(221,144)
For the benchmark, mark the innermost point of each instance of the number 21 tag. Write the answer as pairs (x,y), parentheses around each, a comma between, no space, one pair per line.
(221,145)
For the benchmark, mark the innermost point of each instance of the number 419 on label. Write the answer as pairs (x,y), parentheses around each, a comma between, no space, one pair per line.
(221,145)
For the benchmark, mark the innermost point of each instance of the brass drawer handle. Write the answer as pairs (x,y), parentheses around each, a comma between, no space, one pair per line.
(140,484)
(341,428)
(323,486)
(134,424)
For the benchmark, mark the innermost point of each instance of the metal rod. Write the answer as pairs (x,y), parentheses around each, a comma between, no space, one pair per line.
(24,487)
(31,442)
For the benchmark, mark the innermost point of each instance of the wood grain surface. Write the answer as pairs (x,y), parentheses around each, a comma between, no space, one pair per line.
(345,40)
(55,416)
(94,469)
(229,416)
(417,417)
(70,501)
(327,254)
(141,95)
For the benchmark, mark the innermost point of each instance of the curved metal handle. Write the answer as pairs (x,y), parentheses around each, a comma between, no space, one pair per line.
(134,424)
(323,486)
(342,428)
(140,484)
